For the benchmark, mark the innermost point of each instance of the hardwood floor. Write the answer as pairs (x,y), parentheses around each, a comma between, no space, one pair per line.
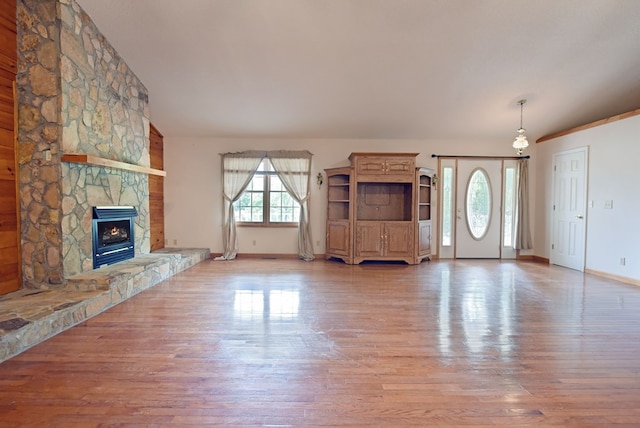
(292,343)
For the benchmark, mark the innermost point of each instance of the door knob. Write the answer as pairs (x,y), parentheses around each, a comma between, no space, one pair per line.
(579,216)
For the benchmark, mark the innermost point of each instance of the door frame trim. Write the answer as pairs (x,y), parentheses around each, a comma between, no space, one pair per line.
(437,220)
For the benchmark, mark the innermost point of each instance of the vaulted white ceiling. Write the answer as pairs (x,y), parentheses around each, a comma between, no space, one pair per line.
(450,69)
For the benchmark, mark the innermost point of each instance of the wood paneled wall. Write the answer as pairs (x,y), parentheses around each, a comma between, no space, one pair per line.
(10,269)
(156,189)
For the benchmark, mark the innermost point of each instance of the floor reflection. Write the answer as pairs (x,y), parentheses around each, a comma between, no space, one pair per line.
(475,318)
(444,319)
(266,304)
(471,312)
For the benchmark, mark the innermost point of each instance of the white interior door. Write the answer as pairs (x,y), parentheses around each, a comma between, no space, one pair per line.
(569,208)
(478,209)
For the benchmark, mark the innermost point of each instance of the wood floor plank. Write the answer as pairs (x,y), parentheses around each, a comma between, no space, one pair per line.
(290,343)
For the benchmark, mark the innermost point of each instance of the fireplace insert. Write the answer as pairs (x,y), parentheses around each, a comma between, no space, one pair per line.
(113,239)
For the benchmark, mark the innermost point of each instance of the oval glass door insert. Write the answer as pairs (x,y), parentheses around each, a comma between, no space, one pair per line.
(478,203)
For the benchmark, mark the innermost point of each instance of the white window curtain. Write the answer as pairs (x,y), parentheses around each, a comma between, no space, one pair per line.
(237,171)
(523,239)
(294,169)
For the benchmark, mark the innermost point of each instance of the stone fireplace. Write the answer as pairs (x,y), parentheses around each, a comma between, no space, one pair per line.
(75,95)
(82,144)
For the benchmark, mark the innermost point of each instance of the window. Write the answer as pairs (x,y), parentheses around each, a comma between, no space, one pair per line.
(447,206)
(508,227)
(266,202)
(478,204)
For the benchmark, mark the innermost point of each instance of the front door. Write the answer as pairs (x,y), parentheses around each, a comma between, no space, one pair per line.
(569,208)
(478,212)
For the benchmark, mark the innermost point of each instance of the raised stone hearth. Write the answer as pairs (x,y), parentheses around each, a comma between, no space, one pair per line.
(28,316)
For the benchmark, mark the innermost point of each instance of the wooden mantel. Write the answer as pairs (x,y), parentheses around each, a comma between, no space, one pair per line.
(98,161)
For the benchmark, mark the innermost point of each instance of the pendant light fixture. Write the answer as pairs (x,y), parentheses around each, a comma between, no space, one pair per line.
(521,143)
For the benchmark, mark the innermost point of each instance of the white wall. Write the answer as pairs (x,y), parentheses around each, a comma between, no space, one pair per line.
(614,174)
(193,192)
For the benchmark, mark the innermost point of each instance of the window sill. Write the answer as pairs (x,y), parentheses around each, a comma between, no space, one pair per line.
(268,226)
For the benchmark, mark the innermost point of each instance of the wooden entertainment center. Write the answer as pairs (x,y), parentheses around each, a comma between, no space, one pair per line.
(379,208)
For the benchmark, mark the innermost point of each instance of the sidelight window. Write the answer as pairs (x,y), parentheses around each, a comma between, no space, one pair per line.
(508,226)
(447,206)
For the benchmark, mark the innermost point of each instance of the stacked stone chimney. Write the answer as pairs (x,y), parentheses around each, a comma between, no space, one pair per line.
(76,95)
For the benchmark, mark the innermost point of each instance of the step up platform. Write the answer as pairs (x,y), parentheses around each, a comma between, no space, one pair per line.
(30,316)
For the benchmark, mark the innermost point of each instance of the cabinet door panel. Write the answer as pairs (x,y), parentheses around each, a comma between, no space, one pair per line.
(385,165)
(338,238)
(398,240)
(424,238)
(370,165)
(368,239)
(400,166)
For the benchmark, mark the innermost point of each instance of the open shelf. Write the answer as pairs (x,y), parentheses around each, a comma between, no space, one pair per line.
(338,210)
(339,197)
(339,193)
(424,212)
(384,201)
(339,180)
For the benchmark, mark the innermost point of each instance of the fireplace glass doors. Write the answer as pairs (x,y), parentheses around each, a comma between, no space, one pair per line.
(113,239)
(113,232)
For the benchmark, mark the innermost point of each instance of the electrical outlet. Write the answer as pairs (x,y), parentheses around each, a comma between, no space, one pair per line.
(623,261)
(254,242)
(608,204)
